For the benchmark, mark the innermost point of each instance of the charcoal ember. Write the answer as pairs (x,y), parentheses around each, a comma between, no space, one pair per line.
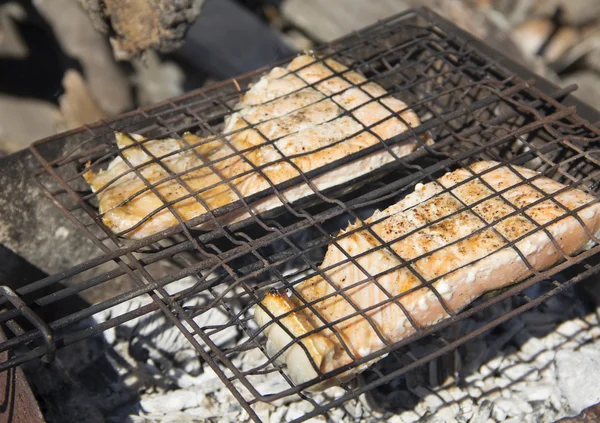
(139,25)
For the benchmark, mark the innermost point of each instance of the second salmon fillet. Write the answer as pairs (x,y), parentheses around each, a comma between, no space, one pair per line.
(446,241)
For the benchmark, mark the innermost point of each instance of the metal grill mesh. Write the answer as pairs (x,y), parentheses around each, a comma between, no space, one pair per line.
(473,108)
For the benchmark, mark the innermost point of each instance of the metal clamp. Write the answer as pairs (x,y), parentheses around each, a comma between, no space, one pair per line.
(34,319)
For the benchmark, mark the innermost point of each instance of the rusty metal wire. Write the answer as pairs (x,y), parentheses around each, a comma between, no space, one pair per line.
(473,108)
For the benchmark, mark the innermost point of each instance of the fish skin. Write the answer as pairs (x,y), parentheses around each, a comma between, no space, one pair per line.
(441,245)
(304,109)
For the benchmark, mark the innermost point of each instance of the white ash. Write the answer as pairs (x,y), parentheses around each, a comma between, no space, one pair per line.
(516,374)
(579,376)
(155,339)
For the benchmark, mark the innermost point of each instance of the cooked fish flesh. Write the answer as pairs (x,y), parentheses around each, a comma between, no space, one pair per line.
(298,118)
(445,240)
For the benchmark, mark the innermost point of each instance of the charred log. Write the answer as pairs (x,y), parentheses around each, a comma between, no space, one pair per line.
(138,25)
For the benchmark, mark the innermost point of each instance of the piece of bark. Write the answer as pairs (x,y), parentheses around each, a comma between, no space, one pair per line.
(76,104)
(11,43)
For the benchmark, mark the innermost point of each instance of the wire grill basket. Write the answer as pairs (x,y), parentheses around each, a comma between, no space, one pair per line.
(473,108)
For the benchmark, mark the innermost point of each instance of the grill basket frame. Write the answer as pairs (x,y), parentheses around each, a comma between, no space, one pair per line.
(476,107)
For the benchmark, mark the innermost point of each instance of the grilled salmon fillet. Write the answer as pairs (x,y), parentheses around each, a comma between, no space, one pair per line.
(442,235)
(298,118)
